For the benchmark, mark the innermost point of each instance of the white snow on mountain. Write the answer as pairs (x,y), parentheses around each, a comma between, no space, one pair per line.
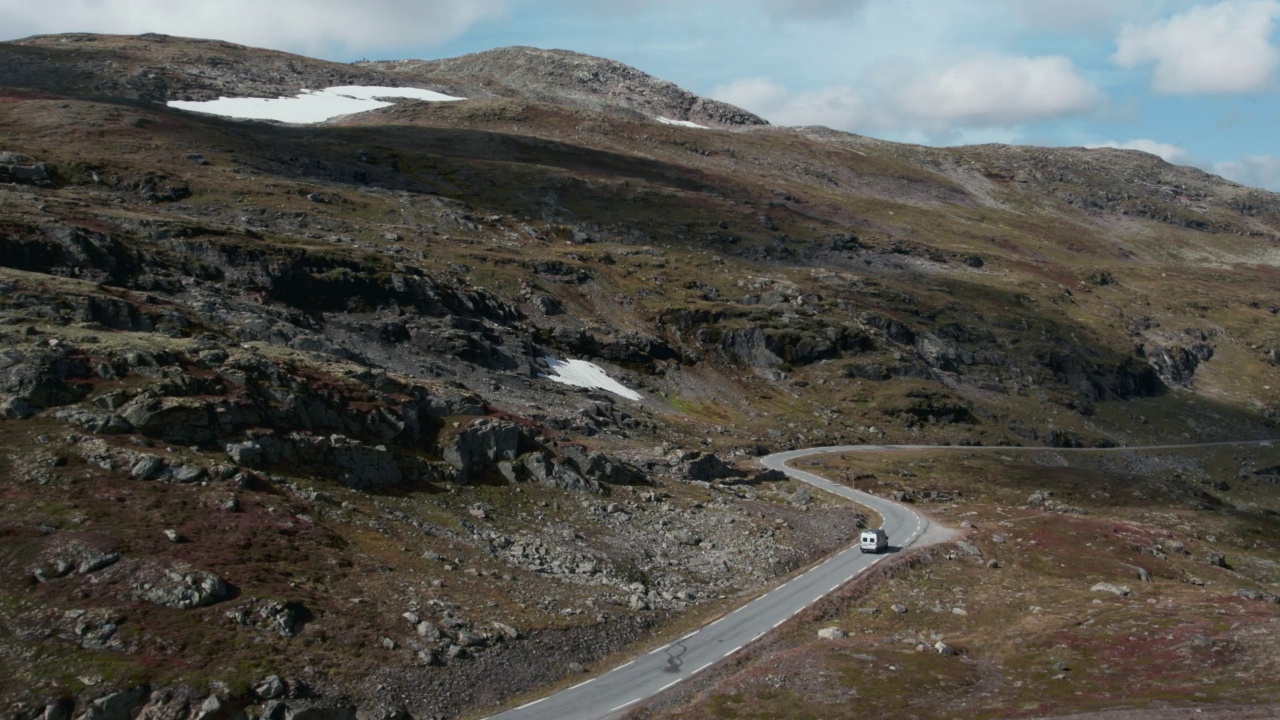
(312,106)
(681,123)
(581,373)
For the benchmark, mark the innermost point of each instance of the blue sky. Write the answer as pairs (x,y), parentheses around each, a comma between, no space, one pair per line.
(1196,82)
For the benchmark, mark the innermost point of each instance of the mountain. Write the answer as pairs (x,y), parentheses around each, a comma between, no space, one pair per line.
(294,416)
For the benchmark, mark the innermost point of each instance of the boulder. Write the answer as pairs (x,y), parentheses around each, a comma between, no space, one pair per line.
(832,633)
(248,453)
(945,649)
(146,467)
(801,497)
(709,468)
(1112,588)
(768,476)
(270,688)
(116,706)
(16,408)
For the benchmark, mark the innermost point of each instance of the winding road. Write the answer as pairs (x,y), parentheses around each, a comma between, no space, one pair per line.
(613,692)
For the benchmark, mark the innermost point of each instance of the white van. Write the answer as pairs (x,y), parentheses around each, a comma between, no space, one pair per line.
(873,541)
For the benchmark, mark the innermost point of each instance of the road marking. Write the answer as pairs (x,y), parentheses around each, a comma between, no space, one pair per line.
(775,625)
(733,651)
(686,637)
(704,667)
(625,704)
(664,687)
(722,617)
(633,662)
(584,682)
(531,704)
(664,647)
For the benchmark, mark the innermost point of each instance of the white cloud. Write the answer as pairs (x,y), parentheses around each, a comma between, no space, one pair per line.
(1169,153)
(989,91)
(1087,15)
(320,27)
(992,91)
(1221,48)
(839,107)
(1261,171)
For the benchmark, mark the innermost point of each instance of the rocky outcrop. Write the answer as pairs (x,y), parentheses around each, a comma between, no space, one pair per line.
(20,169)
(1177,364)
(179,586)
(481,446)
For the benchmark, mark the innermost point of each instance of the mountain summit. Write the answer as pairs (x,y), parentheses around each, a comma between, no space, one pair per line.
(568,78)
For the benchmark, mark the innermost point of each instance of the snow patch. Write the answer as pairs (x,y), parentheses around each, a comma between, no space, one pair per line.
(311,106)
(681,123)
(581,373)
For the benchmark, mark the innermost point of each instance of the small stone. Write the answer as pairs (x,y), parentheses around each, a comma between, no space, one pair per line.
(684,537)
(832,633)
(945,649)
(993,564)
(898,609)
(1120,590)
(174,536)
(506,631)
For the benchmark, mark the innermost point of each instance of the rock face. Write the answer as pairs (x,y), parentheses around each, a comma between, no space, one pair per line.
(569,78)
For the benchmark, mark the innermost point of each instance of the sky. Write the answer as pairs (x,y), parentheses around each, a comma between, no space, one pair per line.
(1196,82)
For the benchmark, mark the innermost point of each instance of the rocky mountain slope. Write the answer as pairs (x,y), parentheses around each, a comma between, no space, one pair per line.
(566,78)
(278,433)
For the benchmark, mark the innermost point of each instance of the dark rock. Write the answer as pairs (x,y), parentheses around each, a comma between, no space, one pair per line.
(710,468)
(116,706)
(16,408)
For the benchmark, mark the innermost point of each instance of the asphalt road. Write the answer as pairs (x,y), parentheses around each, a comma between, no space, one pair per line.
(608,695)
(650,674)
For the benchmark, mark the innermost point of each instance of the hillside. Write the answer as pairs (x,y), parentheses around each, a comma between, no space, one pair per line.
(276,401)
